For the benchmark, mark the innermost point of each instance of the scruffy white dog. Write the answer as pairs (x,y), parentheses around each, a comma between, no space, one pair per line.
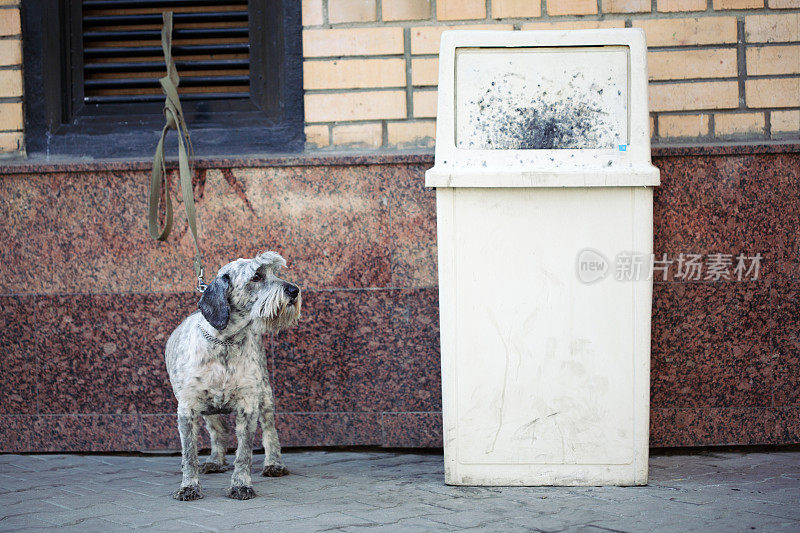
(217,365)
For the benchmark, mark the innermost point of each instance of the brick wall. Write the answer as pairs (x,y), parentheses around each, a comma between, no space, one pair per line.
(720,70)
(10,78)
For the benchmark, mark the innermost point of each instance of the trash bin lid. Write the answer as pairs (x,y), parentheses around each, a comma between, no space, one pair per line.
(542,109)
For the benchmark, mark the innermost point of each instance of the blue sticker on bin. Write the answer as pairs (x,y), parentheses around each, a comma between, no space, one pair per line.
(623,147)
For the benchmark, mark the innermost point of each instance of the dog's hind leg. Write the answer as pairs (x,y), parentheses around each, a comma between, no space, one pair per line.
(188,424)
(217,426)
(273,463)
(241,483)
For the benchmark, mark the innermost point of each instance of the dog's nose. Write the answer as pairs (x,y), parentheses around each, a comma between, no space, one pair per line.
(291,291)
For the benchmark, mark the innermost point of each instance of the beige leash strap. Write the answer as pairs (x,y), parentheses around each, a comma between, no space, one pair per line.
(159,180)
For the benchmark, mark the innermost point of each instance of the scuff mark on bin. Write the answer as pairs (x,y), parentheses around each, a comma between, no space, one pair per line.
(528,431)
(506,340)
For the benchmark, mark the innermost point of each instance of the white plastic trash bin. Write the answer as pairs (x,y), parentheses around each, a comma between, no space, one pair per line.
(544,191)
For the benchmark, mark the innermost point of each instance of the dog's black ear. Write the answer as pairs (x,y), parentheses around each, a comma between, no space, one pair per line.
(214,302)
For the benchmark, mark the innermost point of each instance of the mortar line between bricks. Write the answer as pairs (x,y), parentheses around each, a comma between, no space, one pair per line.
(717,46)
(653,14)
(372,121)
(358,90)
(772,77)
(692,112)
(358,57)
(409,80)
(384,136)
(741,62)
(653,48)
(513,21)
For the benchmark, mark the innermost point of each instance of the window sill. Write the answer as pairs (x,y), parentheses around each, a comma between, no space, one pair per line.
(39,165)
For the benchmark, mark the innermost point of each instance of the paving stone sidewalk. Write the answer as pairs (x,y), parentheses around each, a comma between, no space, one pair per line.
(381,491)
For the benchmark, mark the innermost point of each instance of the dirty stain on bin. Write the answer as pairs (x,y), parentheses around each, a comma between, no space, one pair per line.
(542,100)
(501,122)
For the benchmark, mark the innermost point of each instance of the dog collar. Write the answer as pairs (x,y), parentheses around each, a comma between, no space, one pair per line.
(211,338)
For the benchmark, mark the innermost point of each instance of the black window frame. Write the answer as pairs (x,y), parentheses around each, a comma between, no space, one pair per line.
(58,123)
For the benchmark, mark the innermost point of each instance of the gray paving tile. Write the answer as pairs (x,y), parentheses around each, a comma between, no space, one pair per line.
(374,491)
(23,523)
(72,517)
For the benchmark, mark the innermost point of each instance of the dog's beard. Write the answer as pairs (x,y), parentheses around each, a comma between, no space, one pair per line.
(275,310)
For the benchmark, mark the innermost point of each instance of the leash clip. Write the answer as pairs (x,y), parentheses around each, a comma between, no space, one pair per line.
(201,285)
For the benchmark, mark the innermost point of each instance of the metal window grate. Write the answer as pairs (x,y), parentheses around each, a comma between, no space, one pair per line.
(122,54)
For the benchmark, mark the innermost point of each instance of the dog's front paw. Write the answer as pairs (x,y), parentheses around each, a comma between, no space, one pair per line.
(187,494)
(241,492)
(212,468)
(275,470)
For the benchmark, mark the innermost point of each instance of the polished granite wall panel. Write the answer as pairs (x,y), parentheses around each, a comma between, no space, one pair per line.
(786,344)
(731,204)
(104,353)
(724,426)
(15,433)
(18,349)
(87,232)
(72,232)
(159,431)
(412,430)
(331,223)
(88,300)
(95,433)
(725,362)
(69,433)
(356,354)
(330,429)
(360,226)
(361,350)
(413,229)
(711,345)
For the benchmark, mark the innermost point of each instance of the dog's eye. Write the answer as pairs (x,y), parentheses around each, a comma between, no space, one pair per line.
(257,277)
